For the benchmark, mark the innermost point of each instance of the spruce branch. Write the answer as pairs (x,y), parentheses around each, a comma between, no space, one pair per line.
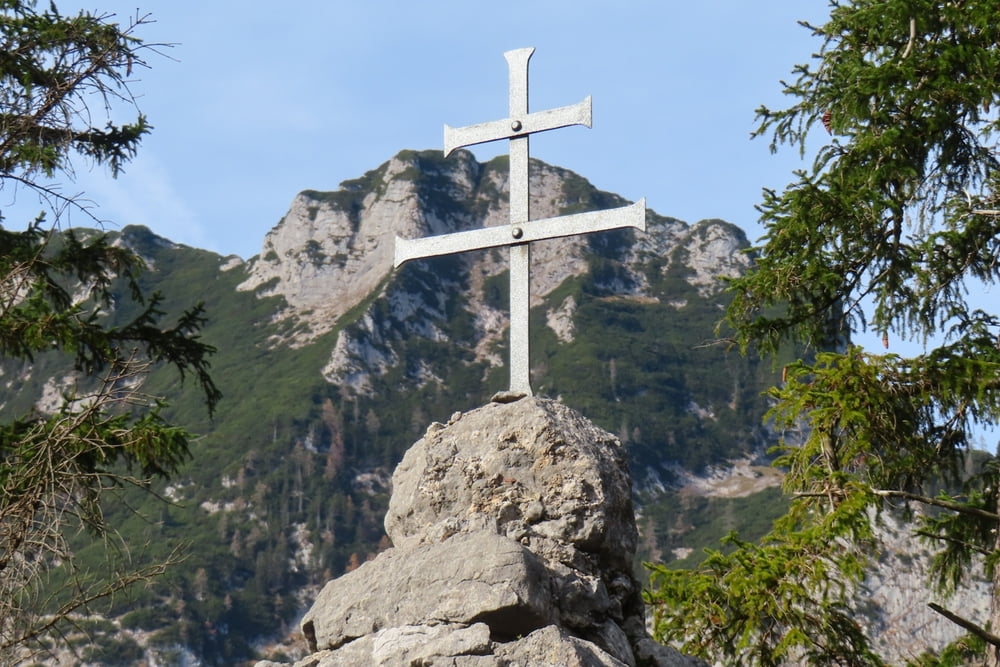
(966,624)
(908,495)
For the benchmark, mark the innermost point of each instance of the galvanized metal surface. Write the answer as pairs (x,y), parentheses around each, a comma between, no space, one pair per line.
(576,114)
(537,230)
(522,230)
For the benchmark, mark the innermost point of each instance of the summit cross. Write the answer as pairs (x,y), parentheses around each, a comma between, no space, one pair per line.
(522,230)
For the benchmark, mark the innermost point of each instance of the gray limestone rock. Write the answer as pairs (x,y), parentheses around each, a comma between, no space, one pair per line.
(553,646)
(413,645)
(533,470)
(514,536)
(470,578)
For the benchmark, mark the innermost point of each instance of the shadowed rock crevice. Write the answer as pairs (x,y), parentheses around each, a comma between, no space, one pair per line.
(510,624)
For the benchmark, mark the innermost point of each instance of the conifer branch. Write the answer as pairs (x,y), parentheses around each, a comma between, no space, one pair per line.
(945,538)
(938,502)
(907,495)
(966,624)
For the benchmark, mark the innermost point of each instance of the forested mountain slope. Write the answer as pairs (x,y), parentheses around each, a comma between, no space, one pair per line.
(331,364)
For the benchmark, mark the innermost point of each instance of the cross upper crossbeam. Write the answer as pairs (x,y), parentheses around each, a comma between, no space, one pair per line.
(518,125)
(511,128)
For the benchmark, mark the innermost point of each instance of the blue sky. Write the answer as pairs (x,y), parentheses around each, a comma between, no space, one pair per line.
(251,107)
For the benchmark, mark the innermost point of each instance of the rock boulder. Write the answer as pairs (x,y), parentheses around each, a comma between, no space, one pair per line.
(513,534)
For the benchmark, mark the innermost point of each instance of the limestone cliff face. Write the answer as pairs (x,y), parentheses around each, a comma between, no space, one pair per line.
(333,250)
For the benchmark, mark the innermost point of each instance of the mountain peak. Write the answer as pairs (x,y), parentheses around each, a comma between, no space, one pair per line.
(333,250)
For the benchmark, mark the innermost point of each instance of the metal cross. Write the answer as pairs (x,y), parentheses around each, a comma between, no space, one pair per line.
(516,127)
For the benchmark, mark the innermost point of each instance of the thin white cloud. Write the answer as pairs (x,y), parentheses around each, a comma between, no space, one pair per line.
(144,195)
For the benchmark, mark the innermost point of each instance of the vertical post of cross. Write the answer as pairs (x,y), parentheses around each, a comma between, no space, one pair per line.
(520,213)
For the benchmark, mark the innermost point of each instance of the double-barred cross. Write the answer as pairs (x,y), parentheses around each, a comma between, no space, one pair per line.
(522,230)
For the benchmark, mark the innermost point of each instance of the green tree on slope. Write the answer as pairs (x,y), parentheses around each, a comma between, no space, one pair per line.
(60,79)
(890,230)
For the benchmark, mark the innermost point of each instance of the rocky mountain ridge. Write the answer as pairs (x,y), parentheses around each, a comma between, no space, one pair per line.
(341,244)
(332,364)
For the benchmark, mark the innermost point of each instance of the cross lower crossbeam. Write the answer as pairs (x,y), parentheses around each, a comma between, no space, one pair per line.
(522,230)
(537,230)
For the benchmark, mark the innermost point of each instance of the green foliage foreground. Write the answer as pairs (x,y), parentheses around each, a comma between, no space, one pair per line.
(58,464)
(889,231)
